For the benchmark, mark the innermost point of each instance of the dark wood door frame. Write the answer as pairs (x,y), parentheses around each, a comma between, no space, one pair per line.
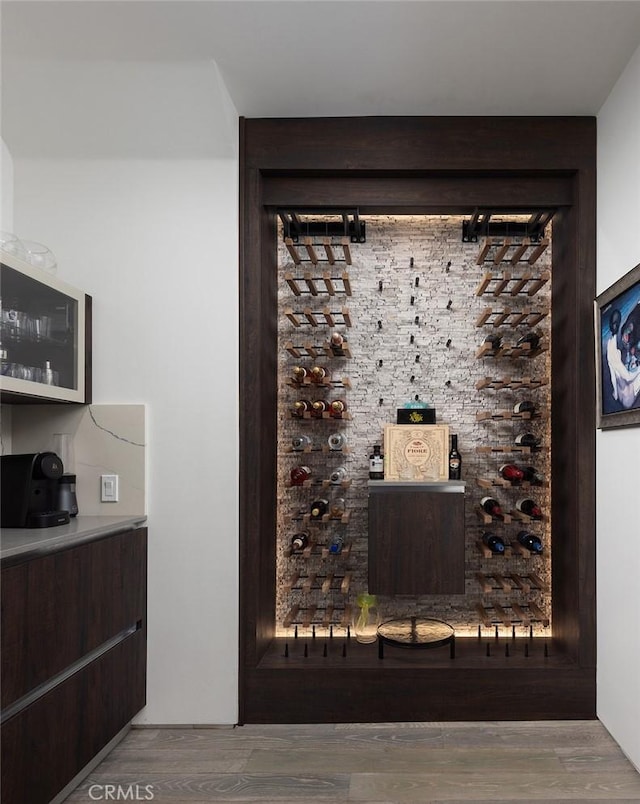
(409,166)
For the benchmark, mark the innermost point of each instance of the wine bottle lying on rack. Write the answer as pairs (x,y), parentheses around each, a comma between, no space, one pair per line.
(337,407)
(299,474)
(319,407)
(298,373)
(495,341)
(530,508)
(319,508)
(532,338)
(318,374)
(491,506)
(533,476)
(530,541)
(337,441)
(338,507)
(300,442)
(512,473)
(336,544)
(300,407)
(527,440)
(526,406)
(493,542)
(338,475)
(299,542)
(337,344)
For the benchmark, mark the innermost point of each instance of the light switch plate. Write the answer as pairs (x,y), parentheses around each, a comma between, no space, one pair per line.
(109,488)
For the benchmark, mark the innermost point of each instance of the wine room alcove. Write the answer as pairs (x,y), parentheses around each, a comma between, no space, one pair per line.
(406,167)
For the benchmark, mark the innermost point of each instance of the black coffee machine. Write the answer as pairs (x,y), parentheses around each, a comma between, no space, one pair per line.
(30,490)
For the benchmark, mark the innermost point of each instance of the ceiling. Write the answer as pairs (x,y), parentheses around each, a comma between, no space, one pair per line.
(94,78)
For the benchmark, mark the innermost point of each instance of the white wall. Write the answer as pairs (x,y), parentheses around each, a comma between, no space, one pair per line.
(154,241)
(618,451)
(6,188)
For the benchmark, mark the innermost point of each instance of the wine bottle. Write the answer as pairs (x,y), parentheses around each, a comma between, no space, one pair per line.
(319,508)
(526,406)
(530,541)
(532,338)
(511,472)
(299,542)
(336,544)
(530,508)
(299,474)
(318,374)
(300,442)
(376,464)
(337,441)
(338,507)
(337,408)
(300,407)
(491,506)
(337,344)
(493,542)
(455,461)
(527,440)
(495,341)
(533,476)
(319,407)
(338,475)
(299,373)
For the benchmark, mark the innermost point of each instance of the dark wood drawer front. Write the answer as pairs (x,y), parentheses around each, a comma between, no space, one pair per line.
(416,543)
(48,743)
(57,608)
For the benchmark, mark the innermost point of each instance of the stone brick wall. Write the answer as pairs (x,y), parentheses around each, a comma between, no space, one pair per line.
(386,370)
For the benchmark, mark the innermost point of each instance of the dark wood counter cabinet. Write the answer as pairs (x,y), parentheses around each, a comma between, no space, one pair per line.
(73,659)
(416,538)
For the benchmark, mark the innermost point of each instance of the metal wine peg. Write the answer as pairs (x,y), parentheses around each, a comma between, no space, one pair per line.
(449,303)
(380,285)
(379,324)
(413,300)
(417,281)
(411,263)
(417,358)
(448,342)
(380,363)
(416,320)
(412,339)
(380,401)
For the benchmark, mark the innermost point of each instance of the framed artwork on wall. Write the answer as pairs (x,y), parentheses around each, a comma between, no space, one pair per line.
(617,329)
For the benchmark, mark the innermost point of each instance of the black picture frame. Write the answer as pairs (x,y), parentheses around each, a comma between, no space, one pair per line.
(617,334)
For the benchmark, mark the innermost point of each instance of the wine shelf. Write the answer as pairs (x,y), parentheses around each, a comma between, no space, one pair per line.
(308,283)
(317,318)
(506,284)
(510,550)
(307,519)
(311,254)
(511,383)
(328,383)
(500,482)
(498,582)
(519,614)
(487,519)
(513,251)
(319,616)
(324,449)
(323,483)
(319,582)
(487,350)
(504,415)
(316,350)
(511,318)
(488,450)
(308,416)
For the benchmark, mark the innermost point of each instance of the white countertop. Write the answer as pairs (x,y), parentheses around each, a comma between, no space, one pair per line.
(30,542)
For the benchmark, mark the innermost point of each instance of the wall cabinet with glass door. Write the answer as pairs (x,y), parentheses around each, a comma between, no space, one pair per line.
(45,337)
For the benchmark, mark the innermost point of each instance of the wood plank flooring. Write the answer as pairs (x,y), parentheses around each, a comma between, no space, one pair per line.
(399,763)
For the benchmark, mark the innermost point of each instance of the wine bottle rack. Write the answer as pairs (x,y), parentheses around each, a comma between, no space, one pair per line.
(500,482)
(487,350)
(506,284)
(498,582)
(326,416)
(306,519)
(504,415)
(326,583)
(334,382)
(323,483)
(308,283)
(312,255)
(320,616)
(511,318)
(315,351)
(520,614)
(488,450)
(511,383)
(510,550)
(324,449)
(487,519)
(513,251)
(317,318)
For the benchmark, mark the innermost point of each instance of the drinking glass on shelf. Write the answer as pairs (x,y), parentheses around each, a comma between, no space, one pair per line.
(10,244)
(40,256)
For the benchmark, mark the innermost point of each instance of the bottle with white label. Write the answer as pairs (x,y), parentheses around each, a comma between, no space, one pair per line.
(376,464)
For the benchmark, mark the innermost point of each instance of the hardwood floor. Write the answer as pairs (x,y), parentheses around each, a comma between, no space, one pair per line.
(541,761)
